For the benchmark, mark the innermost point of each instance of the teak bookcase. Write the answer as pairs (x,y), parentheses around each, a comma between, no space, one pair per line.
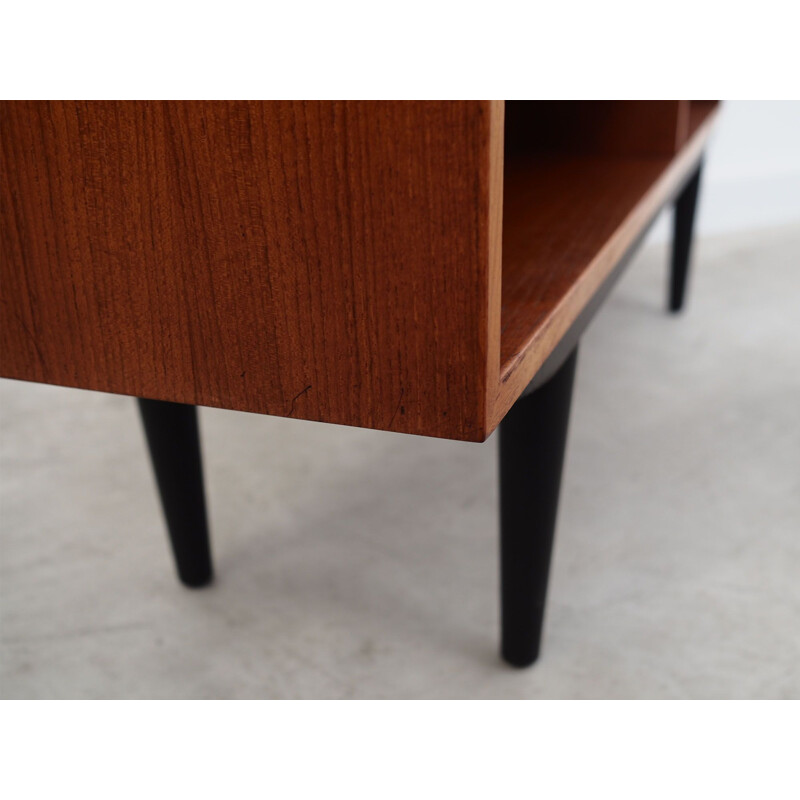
(407,266)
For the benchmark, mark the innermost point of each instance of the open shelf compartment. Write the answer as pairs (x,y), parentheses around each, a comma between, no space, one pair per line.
(581,183)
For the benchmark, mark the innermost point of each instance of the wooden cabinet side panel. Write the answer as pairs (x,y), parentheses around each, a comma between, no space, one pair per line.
(320,260)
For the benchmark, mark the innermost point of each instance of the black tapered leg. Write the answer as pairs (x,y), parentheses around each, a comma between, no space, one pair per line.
(685,208)
(174,442)
(532,440)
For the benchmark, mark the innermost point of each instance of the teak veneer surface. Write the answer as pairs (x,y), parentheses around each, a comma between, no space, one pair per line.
(322,260)
(364,263)
(567,221)
(600,127)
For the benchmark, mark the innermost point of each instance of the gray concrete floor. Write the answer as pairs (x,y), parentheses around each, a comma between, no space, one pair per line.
(356,564)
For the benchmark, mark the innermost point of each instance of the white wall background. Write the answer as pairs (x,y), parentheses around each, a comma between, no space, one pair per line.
(752,171)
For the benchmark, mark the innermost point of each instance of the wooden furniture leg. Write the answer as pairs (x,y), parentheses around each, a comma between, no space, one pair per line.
(174,443)
(685,208)
(532,440)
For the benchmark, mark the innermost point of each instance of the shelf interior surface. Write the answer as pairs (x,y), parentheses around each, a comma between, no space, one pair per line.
(560,210)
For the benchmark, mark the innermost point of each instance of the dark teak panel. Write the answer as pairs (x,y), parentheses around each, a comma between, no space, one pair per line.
(573,206)
(325,261)
(598,127)
(407,266)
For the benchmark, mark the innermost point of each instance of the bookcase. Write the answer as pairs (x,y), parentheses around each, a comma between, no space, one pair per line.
(420,267)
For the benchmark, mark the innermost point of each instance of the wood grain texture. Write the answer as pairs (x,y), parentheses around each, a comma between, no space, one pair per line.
(318,260)
(568,220)
(406,266)
(597,127)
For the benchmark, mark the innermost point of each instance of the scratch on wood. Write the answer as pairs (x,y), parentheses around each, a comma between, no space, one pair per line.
(399,406)
(296,398)
(28,333)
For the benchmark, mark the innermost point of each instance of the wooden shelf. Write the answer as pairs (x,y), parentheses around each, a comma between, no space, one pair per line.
(406,266)
(699,113)
(568,218)
(559,213)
